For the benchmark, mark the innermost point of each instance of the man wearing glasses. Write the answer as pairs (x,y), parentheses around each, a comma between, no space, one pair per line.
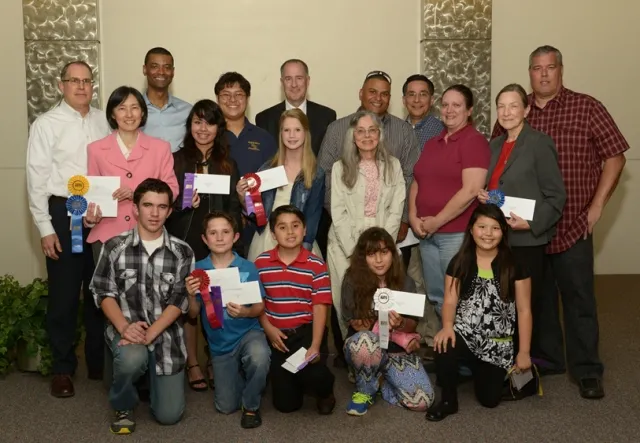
(401,143)
(167,113)
(57,151)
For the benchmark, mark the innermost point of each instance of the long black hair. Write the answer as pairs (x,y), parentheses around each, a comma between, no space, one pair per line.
(219,153)
(465,261)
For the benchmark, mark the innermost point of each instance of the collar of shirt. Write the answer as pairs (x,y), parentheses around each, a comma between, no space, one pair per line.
(169,101)
(65,108)
(301,258)
(302,107)
(165,243)
(384,118)
(560,97)
(235,263)
(456,135)
(422,122)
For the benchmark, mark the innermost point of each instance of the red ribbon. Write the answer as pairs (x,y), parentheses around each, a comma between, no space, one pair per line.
(255,207)
(215,318)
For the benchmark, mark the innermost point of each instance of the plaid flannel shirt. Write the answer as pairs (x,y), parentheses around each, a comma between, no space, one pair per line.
(144,286)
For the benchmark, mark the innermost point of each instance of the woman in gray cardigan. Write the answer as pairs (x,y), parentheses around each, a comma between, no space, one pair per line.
(524,164)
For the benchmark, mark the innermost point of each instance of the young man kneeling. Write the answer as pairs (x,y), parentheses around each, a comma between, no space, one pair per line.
(239,352)
(296,305)
(139,283)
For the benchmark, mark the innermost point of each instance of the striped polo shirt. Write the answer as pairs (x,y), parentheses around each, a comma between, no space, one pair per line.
(292,290)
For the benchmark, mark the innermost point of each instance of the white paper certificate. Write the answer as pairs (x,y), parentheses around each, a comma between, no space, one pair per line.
(273,178)
(522,207)
(101,191)
(405,303)
(224,277)
(212,183)
(409,240)
(244,294)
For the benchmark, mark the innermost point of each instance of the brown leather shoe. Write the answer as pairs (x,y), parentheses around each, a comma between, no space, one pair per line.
(326,405)
(62,386)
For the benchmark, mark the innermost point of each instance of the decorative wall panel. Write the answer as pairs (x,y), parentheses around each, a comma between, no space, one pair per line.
(456,48)
(57,32)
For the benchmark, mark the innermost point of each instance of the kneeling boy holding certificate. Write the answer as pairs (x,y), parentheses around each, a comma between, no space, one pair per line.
(239,351)
(296,305)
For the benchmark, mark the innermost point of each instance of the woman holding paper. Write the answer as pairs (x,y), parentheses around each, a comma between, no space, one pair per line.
(205,151)
(375,263)
(447,177)
(524,164)
(131,155)
(305,188)
(367,189)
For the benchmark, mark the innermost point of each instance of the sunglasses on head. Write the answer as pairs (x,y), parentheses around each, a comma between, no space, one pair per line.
(379,74)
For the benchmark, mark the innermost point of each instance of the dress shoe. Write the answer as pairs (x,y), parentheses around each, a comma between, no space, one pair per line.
(442,410)
(326,405)
(591,388)
(62,386)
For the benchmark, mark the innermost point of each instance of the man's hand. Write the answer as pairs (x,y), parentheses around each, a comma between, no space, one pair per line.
(276,337)
(192,284)
(93,214)
(593,216)
(402,233)
(51,246)
(136,332)
(236,311)
(152,334)
(313,350)
(517,223)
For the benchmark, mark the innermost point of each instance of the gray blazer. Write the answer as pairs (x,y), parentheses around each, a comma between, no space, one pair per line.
(532,172)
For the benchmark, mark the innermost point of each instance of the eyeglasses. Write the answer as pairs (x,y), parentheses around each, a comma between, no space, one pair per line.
(422,94)
(79,81)
(361,132)
(226,96)
(386,76)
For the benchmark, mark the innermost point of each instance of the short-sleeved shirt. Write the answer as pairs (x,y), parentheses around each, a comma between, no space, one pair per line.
(438,172)
(292,290)
(585,136)
(349,308)
(169,122)
(224,340)
(252,148)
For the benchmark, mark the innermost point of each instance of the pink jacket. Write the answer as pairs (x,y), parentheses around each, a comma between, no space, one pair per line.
(149,158)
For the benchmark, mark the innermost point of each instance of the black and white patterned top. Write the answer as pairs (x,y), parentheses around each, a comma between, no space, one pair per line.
(144,286)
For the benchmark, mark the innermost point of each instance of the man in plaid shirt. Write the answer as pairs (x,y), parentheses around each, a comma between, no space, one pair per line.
(139,283)
(591,158)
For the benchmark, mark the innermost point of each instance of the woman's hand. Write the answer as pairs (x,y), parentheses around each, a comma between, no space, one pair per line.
(93,214)
(396,320)
(441,340)
(123,193)
(195,200)
(192,284)
(429,225)
(242,188)
(517,223)
(523,362)
(483,196)
(416,225)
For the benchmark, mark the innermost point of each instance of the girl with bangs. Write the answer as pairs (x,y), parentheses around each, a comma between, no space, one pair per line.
(305,189)
(205,151)
(397,371)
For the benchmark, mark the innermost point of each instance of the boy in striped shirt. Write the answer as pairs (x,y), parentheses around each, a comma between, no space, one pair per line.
(298,297)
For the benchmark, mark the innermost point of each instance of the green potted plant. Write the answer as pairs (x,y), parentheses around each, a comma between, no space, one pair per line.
(10,295)
(33,351)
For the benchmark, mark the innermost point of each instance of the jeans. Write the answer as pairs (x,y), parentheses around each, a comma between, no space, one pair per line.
(241,375)
(130,362)
(436,252)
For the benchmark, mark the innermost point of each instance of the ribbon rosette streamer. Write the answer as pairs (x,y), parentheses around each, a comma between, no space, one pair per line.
(211,297)
(496,197)
(76,205)
(253,199)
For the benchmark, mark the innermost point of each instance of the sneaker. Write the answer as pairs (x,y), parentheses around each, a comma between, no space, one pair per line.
(250,419)
(123,423)
(359,404)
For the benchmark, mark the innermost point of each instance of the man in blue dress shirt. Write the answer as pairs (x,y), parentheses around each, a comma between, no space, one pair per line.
(167,113)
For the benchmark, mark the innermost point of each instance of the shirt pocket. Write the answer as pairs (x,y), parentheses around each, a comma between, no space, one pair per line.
(127,280)
(572,140)
(167,281)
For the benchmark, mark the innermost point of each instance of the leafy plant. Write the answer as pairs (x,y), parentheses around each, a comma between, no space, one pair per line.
(10,293)
(30,325)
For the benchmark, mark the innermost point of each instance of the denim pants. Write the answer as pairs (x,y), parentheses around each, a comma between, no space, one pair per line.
(436,252)
(130,362)
(241,375)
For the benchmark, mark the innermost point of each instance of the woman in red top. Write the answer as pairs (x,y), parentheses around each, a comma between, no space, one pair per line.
(447,178)
(524,164)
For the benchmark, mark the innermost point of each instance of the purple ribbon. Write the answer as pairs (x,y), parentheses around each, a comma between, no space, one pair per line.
(187,192)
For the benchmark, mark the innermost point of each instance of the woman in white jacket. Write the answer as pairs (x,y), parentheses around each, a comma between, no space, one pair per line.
(367,189)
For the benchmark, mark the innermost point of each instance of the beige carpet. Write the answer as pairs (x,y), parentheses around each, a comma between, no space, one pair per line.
(29,414)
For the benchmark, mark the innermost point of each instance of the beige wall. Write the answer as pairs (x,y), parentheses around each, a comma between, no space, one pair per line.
(599,46)
(254,36)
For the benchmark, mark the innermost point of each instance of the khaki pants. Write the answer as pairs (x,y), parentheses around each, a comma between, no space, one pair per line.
(429,325)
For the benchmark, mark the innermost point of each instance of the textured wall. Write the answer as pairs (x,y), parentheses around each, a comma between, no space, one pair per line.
(55,33)
(456,48)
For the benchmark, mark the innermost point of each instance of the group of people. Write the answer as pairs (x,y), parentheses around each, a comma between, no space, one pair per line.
(356,185)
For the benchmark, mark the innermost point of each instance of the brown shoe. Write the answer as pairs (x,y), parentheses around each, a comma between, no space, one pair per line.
(62,386)
(326,405)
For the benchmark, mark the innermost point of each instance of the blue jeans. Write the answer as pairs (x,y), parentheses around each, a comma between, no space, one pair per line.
(130,362)
(436,252)
(241,375)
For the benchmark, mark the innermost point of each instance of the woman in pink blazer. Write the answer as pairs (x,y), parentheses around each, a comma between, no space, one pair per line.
(130,154)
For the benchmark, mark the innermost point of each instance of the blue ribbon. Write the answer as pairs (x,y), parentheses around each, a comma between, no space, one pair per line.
(76,205)
(496,197)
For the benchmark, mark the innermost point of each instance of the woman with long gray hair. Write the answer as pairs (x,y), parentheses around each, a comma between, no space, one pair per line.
(367,189)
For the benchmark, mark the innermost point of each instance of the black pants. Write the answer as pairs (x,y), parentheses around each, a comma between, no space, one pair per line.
(67,276)
(488,379)
(570,272)
(315,379)
(406,256)
(534,258)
